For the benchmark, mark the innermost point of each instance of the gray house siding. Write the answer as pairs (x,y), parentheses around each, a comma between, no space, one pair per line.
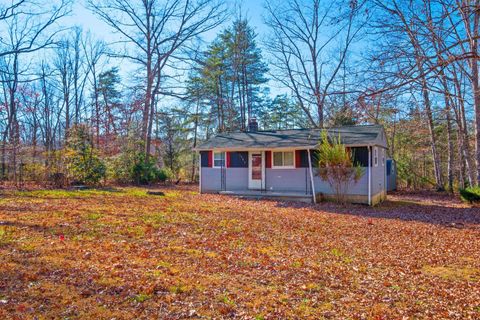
(294,180)
(358,188)
(379,175)
(211,179)
(236,179)
(378,179)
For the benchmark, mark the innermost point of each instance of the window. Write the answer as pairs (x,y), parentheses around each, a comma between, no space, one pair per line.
(283,159)
(360,156)
(375,156)
(383,157)
(218,159)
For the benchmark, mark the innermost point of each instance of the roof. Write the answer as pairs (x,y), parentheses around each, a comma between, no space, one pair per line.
(361,135)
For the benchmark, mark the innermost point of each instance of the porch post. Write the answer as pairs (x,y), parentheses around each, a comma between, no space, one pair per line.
(369,176)
(311,176)
(199,172)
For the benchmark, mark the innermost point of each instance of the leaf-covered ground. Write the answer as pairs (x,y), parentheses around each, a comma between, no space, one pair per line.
(124,254)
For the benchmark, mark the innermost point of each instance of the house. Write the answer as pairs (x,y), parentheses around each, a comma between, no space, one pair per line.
(282,163)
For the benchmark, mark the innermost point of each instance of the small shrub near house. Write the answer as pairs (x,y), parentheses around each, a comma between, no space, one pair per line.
(471,195)
(336,166)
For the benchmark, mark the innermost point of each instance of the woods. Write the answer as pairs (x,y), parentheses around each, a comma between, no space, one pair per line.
(174,73)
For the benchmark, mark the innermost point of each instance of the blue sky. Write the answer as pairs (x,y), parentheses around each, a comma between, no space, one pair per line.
(81,16)
(251,9)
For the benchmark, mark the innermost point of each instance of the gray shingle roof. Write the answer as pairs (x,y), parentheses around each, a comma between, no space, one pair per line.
(350,135)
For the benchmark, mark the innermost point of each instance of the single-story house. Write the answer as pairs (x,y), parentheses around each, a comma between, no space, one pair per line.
(282,163)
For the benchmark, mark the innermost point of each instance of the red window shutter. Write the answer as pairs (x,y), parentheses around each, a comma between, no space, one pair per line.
(228,159)
(268,159)
(298,159)
(210,159)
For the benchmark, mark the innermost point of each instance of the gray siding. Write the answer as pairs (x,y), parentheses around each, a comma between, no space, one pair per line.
(358,188)
(211,179)
(379,179)
(237,179)
(295,180)
(379,176)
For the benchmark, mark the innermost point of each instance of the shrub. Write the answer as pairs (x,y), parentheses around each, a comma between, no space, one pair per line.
(162,175)
(34,172)
(84,166)
(130,166)
(336,166)
(471,195)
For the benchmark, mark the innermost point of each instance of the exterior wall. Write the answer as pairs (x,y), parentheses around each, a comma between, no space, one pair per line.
(359,188)
(294,180)
(211,179)
(379,176)
(236,179)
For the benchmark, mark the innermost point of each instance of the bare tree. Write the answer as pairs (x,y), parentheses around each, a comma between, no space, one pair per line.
(94,51)
(25,28)
(33,25)
(301,49)
(154,30)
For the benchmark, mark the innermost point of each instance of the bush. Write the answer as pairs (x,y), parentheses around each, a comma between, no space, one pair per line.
(34,172)
(130,166)
(336,166)
(471,195)
(84,166)
(162,175)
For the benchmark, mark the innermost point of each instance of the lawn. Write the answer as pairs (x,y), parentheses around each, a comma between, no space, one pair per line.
(124,254)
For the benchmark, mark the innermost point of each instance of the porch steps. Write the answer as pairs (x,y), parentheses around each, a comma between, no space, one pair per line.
(271,195)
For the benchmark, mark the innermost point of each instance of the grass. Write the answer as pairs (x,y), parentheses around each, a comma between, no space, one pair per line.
(141,297)
(123,254)
(454,272)
(6,235)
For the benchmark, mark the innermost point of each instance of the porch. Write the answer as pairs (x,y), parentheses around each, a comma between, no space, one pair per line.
(272,195)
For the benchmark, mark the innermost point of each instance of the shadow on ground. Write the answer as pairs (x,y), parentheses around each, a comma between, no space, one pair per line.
(433,208)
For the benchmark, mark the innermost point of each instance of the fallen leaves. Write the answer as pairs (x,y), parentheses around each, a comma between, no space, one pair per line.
(126,254)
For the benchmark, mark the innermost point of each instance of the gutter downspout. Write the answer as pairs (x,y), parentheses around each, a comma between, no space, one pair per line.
(369,176)
(311,177)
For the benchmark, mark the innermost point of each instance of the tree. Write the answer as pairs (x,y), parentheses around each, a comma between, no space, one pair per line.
(336,166)
(25,28)
(282,113)
(109,103)
(231,75)
(156,30)
(300,48)
(83,163)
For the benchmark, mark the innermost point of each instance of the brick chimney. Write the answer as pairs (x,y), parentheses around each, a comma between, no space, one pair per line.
(252,125)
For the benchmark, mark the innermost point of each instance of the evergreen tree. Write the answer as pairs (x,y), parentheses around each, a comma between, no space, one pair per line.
(282,113)
(230,76)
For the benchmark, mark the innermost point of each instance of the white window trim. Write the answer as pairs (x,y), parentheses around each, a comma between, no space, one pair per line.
(383,157)
(284,167)
(224,159)
(375,156)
